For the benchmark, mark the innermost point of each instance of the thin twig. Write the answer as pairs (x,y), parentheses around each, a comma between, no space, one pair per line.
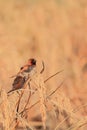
(83,124)
(43,67)
(56,89)
(79,107)
(27,100)
(18,103)
(61,122)
(53,76)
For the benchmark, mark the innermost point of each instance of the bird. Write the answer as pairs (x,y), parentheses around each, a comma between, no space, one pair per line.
(27,68)
(31,64)
(24,73)
(18,83)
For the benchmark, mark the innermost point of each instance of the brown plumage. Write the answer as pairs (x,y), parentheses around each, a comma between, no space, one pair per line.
(18,83)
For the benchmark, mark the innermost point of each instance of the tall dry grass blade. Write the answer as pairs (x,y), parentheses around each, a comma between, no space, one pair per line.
(56,88)
(4,111)
(61,123)
(79,107)
(81,123)
(52,76)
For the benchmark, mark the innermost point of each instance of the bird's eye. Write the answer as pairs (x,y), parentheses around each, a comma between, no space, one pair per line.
(34,62)
(21,68)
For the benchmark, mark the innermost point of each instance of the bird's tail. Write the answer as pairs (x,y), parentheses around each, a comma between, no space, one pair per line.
(10,91)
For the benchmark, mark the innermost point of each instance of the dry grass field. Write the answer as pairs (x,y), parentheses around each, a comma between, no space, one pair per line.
(53,31)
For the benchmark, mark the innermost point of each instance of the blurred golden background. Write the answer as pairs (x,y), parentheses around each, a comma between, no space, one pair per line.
(50,30)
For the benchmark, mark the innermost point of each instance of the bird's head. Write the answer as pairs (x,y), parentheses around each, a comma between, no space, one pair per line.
(32,61)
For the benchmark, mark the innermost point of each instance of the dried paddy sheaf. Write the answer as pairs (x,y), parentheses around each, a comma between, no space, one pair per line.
(5,113)
(40,86)
(55,106)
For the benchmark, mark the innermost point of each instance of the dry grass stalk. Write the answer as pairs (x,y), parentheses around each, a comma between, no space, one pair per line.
(40,86)
(81,123)
(27,109)
(4,111)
